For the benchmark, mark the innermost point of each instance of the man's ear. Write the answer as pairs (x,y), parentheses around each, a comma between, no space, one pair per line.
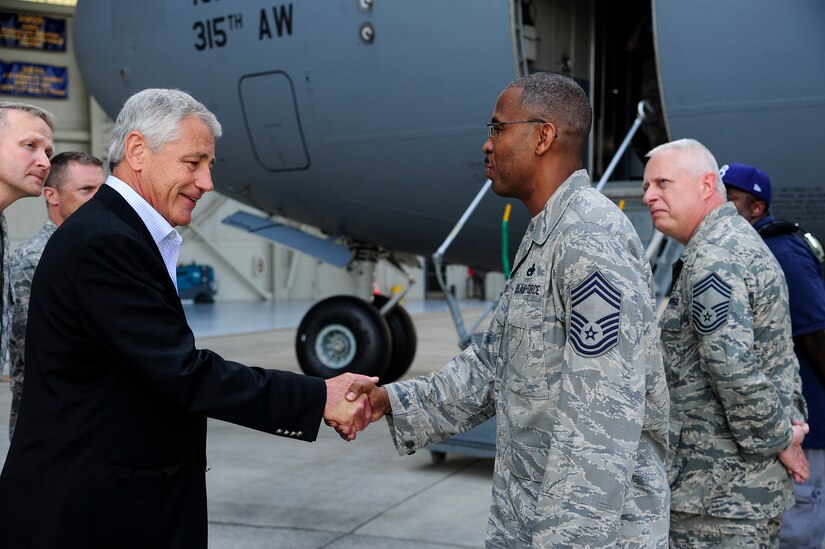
(758,208)
(708,184)
(135,149)
(50,194)
(547,135)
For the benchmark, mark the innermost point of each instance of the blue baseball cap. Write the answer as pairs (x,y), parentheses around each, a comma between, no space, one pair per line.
(747,178)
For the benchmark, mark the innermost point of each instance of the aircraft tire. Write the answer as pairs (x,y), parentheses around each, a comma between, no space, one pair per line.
(404,340)
(343,334)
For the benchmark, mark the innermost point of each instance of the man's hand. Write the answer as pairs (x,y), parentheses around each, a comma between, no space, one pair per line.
(379,400)
(378,404)
(794,458)
(349,417)
(352,414)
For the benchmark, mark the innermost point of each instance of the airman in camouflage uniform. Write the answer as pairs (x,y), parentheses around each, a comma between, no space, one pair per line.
(732,372)
(5,287)
(25,260)
(26,135)
(570,364)
(73,179)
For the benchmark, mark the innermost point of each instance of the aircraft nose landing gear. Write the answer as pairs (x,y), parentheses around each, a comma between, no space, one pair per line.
(350,334)
(343,334)
(335,346)
(404,340)
(347,334)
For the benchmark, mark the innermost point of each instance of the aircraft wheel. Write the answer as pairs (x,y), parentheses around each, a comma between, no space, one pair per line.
(404,340)
(343,334)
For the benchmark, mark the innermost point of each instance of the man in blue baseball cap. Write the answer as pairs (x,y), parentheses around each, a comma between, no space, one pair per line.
(748,188)
(800,256)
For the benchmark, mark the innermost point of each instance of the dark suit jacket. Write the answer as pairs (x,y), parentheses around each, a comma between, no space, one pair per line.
(110,446)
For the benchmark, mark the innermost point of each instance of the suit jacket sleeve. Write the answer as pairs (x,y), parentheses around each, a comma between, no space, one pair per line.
(127,299)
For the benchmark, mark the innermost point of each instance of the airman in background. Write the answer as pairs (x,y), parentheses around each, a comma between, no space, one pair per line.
(26,144)
(737,413)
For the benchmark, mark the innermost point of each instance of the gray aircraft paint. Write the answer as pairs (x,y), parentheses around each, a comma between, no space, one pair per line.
(369,121)
(747,79)
(381,142)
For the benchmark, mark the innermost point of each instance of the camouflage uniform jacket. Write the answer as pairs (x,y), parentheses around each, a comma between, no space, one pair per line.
(571,367)
(24,262)
(732,373)
(5,289)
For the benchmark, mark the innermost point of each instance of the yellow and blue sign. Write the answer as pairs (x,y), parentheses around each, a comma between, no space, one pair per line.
(32,31)
(34,80)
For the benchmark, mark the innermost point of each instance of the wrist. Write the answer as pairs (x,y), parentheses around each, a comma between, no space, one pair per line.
(384,400)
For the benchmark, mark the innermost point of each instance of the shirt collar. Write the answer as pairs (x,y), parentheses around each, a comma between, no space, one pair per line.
(546,220)
(710,220)
(158,227)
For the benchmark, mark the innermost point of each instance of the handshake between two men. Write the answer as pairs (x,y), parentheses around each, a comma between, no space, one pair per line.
(353,402)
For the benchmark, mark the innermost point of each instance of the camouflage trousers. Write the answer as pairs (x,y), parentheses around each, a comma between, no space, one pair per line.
(15,408)
(688,531)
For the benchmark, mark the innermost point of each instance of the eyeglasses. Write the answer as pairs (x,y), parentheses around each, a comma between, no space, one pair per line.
(495,128)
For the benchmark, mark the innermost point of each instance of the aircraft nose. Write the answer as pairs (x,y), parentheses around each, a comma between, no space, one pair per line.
(108,81)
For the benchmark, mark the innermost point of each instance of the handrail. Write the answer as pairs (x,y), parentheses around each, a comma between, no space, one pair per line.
(452,303)
(640,116)
(655,244)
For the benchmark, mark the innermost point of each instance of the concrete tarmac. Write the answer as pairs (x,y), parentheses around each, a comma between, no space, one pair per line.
(270,492)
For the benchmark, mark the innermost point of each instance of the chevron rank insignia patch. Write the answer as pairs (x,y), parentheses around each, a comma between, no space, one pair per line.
(711,301)
(594,319)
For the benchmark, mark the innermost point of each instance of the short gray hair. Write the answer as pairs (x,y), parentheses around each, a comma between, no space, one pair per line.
(43,114)
(700,161)
(557,99)
(157,114)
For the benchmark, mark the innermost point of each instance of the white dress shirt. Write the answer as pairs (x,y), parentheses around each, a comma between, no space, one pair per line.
(165,236)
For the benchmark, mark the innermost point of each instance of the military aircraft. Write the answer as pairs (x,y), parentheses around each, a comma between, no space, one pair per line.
(365,118)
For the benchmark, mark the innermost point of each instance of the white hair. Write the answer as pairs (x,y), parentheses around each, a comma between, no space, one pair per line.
(157,114)
(699,162)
